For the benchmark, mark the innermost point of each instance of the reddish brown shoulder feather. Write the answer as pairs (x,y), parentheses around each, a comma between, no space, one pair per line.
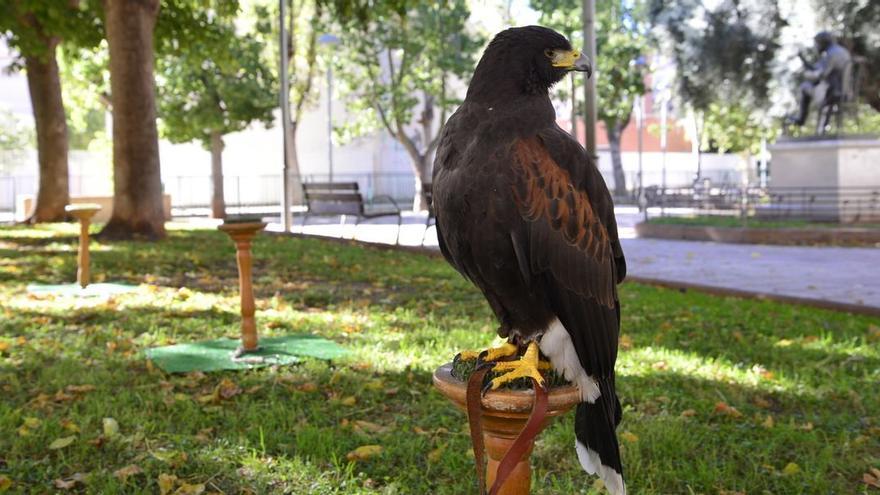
(566,236)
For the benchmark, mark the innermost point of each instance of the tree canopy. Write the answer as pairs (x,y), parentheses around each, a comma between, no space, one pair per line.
(218,82)
(398,56)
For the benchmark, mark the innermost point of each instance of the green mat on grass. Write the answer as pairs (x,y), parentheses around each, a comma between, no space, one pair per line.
(215,355)
(91,290)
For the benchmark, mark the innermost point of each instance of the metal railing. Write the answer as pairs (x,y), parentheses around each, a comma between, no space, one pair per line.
(812,204)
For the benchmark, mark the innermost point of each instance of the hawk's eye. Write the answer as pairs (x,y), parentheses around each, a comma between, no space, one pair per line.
(549,53)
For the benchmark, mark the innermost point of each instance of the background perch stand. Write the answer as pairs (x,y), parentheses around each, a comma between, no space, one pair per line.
(242,233)
(504,414)
(83,213)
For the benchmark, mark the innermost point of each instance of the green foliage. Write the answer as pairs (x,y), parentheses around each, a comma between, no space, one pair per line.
(396,54)
(33,27)
(725,63)
(15,135)
(86,90)
(686,359)
(217,81)
(729,127)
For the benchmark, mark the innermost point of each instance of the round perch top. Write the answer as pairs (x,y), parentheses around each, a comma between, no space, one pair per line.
(560,399)
(82,211)
(84,207)
(251,225)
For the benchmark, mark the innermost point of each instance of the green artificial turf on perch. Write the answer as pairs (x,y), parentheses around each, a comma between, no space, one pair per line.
(215,355)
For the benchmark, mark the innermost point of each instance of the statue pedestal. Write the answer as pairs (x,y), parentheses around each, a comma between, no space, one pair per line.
(83,213)
(242,233)
(835,179)
(505,413)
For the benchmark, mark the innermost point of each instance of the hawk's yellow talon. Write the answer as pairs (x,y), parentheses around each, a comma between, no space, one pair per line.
(527,366)
(504,350)
(468,355)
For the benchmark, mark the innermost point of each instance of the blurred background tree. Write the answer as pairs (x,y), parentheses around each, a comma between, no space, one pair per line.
(35,29)
(217,83)
(398,63)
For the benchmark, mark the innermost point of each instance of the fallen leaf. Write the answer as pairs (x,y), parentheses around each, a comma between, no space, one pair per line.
(872,478)
(31,423)
(626,342)
(687,413)
(364,452)
(768,423)
(227,389)
(723,408)
(187,489)
(166,483)
(629,437)
(70,482)
(349,401)
(4,346)
(660,365)
(436,454)
(307,387)
(62,442)
(808,426)
(124,473)
(5,483)
(70,426)
(791,469)
(371,427)
(761,402)
(111,427)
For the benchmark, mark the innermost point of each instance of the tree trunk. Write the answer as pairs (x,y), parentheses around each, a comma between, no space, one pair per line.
(218,202)
(44,84)
(614,132)
(137,183)
(295,184)
(421,172)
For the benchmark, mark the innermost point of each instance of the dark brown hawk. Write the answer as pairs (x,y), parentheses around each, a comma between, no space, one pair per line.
(523,212)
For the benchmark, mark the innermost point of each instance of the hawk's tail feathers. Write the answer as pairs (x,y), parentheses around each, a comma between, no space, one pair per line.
(596,440)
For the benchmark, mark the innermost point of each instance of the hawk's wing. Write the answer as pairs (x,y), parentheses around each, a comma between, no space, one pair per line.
(572,233)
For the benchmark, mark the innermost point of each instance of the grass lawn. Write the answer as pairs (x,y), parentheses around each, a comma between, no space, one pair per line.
(733,221)
(720,395)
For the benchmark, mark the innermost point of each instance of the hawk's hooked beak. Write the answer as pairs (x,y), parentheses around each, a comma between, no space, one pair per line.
(573,60)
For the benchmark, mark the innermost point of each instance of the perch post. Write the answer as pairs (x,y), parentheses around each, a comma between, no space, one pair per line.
(84,213)
(242,233)
(504,414)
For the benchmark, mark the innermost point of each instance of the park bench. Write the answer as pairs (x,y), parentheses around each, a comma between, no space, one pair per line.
(345,198)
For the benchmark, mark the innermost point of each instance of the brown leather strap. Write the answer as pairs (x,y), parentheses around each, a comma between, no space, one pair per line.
(474,411)
(524,441)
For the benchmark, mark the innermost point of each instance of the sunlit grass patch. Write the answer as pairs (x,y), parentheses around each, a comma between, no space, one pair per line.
(719,394)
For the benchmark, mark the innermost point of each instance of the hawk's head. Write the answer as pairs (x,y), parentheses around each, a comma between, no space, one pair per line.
(526,60)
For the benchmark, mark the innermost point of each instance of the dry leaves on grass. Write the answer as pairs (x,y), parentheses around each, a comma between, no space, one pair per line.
(62,442)
(70,482)
(724,409)
(364,452)
(111,427)
(5,483)
(872,478)
(126,472)
(365,427)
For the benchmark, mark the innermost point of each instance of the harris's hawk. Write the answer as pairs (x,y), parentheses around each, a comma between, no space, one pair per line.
(523,212)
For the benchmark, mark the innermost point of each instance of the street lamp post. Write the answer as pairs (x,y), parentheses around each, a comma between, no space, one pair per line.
(286,200)
(330,40)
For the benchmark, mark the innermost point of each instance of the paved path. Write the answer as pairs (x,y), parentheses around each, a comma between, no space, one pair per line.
(849,276)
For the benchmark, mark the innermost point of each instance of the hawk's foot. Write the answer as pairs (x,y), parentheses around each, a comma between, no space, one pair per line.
(528,366)
(491,354)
